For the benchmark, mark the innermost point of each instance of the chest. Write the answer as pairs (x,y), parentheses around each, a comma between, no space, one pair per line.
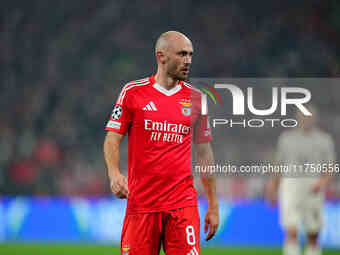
(308,148)
(168,111)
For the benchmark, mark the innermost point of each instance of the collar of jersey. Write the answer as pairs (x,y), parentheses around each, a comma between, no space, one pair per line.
(164,91)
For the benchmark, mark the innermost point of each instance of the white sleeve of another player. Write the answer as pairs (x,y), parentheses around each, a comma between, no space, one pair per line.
(281,151)
(330,150)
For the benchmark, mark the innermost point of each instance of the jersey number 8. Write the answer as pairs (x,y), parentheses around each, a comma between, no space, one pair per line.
(190,235)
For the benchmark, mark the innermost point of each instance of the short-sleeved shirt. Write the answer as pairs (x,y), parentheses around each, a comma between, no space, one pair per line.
(304,151)
(161,125)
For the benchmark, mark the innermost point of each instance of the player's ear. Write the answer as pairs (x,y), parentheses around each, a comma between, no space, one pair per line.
(161,58)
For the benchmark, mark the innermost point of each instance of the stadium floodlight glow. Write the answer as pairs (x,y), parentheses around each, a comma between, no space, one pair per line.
(239,99)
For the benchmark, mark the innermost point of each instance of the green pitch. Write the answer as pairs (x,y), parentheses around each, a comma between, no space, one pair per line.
(54,249)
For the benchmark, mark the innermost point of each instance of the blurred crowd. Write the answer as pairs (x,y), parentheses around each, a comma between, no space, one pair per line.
(63,64)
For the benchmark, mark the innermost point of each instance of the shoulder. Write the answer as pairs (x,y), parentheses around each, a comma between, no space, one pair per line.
(133,85)
(131,88)
(288,135)
(195,92)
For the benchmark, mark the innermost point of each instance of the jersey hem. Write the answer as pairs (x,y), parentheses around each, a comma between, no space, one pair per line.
(203,141)
(162,209)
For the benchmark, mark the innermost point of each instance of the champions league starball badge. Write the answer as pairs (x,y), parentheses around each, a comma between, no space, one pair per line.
(117,112)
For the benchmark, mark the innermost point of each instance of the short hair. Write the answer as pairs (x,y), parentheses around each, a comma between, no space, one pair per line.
(162,42)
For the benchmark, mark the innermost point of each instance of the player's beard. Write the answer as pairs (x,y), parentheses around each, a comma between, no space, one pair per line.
(176,74)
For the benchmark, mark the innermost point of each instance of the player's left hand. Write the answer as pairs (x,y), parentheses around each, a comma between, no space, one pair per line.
(211,222)
(271,190)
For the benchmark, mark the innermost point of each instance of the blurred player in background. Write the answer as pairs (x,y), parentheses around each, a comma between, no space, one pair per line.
(162,115)
(301,198)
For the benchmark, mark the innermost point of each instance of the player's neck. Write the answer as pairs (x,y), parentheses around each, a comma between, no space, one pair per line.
(165,81)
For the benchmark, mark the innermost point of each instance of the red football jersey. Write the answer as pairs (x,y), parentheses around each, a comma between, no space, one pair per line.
(161,125)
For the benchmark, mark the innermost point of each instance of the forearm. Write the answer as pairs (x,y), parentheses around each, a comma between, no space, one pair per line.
(276,181)
(118,182)
(209,184)
(205,158)
(111,156)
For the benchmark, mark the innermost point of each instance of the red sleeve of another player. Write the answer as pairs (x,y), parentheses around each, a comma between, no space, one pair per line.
(202,130)
(121,116)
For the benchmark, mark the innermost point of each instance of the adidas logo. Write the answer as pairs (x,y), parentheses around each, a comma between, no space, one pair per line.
(193,251)
(150,107)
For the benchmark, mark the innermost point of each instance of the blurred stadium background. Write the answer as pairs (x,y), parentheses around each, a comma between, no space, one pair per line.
(63,64)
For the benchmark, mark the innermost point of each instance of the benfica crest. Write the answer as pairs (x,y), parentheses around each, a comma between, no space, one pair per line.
(186,107)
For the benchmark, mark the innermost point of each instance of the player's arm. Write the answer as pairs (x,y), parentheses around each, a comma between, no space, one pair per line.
(272,189)
(204,157)
(329,157)
(118,181)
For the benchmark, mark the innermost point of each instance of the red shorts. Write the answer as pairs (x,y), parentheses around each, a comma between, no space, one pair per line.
(178,231)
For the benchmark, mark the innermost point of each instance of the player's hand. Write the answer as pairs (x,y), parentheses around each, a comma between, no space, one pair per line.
(119,186)
(211,222)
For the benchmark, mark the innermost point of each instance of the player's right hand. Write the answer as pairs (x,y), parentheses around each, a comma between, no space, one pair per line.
(211,222)
(119,186)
